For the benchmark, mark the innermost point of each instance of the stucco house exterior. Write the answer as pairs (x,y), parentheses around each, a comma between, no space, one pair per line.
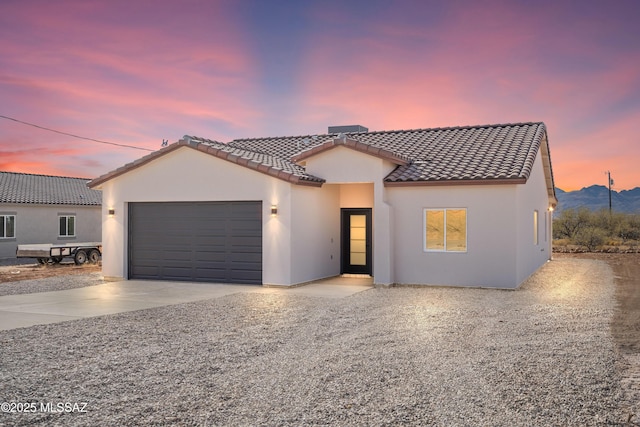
(46,209)
(462,206)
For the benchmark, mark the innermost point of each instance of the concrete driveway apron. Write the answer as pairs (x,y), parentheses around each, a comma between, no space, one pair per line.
(19,311)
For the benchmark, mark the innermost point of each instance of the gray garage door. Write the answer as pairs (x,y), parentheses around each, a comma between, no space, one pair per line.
(198,241)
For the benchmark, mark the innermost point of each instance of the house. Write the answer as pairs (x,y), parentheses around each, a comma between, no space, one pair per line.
(465,206)
(46,209)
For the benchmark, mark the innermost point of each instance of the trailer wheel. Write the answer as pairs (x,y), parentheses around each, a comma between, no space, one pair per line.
(94,256)
(57,259)
(80,257)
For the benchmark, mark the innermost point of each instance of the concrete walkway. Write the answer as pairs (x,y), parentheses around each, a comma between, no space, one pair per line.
(19,311)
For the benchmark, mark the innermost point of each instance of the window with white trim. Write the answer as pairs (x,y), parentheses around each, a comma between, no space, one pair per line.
(445,230)
(7,226)
(67,225)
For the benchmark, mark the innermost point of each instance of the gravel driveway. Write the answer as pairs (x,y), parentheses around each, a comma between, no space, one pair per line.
(542,355)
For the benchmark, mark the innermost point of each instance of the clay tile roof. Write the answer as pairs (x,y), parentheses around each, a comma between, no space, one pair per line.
(502,153)
(23,188)
(261,161)
(271,165)
(495,152)
(466,153)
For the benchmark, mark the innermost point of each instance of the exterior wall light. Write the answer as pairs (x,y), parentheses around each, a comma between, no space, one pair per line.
(274,210)
(550,208)
(112,211)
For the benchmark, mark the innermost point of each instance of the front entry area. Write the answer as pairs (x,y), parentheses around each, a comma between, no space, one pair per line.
(356,238)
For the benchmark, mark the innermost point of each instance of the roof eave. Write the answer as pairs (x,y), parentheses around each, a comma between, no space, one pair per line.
(448,182)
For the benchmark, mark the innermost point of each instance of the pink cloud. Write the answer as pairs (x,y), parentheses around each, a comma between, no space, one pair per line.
(104,71)
(482,65)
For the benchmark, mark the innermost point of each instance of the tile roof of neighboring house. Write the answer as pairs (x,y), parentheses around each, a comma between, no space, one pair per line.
(502,153)
(46,190)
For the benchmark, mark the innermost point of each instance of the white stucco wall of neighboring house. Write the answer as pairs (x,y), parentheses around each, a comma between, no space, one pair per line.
(530,197)
(40,224)
(187,175)
(490,259)
(342,165)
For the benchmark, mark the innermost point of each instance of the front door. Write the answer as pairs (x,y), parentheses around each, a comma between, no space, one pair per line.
(356,241)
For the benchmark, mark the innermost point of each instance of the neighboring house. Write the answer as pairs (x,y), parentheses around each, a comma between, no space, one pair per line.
(463,206)
(46,209)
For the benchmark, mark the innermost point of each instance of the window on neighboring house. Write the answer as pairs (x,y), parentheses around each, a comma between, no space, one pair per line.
(7,226)
(67,225)
(535,227)
(445,230)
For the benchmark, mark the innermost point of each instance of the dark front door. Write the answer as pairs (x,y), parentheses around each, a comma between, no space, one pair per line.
(356,241)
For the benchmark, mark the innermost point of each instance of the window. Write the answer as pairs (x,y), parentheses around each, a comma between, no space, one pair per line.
(535,227)
(7,226)
(67,225)
(445,230)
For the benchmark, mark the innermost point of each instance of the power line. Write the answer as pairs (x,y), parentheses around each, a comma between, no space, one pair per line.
(75,136)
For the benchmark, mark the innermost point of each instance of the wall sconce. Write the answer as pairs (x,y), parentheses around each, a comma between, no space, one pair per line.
(274,210)
(112,212)
(550,208)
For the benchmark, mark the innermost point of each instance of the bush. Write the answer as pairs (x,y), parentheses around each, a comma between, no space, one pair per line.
(595,229)
(591,237)
(570,222)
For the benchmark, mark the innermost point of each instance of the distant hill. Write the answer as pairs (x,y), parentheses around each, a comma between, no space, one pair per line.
(596,197)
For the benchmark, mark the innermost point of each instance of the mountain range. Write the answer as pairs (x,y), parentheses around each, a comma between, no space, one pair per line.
(596,197)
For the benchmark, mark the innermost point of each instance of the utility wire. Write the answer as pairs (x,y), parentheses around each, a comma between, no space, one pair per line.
(75,136)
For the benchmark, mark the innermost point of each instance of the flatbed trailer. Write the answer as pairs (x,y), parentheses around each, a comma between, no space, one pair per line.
(52,253)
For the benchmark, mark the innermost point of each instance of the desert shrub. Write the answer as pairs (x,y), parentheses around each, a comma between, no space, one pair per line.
(629,229)
(591,237)
(570,222)
(593,229)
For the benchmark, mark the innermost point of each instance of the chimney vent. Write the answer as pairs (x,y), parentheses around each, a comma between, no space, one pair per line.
(348,129)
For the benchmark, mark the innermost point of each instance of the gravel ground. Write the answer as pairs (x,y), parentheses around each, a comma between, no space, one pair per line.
(53,283)
(542,355)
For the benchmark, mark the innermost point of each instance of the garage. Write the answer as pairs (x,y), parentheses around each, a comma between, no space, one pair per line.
(196,241)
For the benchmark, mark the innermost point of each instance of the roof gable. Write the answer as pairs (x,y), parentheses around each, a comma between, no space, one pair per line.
(261,162)
(23,188)
(353,144)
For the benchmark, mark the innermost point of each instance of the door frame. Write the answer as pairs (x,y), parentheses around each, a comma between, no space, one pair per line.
(345,235)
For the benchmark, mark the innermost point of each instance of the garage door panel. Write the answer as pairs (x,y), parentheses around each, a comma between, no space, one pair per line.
(245,257)
(244,276)
(198,241)
(146,271)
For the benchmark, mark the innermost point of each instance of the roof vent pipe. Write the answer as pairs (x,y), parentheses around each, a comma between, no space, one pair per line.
(348,129)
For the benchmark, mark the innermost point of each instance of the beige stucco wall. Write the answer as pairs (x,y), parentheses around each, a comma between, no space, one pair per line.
(530,197)
(356,195)
(40,224)
(302,243)
(342,165)
(315,233)
(500,234)
(490,260)
(189,175)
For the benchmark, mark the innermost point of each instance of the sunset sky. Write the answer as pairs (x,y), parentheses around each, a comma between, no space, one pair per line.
(136,72)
